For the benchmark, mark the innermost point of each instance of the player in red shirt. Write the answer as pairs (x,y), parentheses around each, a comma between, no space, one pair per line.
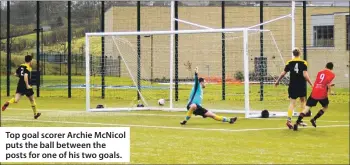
(319,93)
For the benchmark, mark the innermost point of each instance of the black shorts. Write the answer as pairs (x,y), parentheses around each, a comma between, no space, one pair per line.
(199,111)
(311,102)
(24,91)
(295,92)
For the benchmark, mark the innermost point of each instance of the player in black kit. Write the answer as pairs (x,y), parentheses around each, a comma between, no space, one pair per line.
(23,72)
(297,88)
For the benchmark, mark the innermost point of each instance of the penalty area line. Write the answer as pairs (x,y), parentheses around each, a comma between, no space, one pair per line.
(163,127)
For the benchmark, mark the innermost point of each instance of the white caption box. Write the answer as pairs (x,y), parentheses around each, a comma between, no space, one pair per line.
(60,144)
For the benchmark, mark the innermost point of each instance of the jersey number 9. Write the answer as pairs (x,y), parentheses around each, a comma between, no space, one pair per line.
(322,77)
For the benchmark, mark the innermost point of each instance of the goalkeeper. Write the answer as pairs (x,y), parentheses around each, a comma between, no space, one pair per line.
(195,102)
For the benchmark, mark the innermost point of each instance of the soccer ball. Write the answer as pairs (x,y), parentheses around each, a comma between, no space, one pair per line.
(161,102)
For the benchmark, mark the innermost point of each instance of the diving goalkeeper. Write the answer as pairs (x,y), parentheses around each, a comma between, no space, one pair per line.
(194,105)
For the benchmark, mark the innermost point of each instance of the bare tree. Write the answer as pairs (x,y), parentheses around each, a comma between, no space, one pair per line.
(188,66)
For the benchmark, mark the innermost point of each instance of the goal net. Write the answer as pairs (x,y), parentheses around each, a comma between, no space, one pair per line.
(239,66)
(135,79)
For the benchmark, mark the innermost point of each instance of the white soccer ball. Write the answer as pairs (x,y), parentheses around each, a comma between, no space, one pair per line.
(161,102)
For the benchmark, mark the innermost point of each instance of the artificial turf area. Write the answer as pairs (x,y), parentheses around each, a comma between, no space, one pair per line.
(158,138)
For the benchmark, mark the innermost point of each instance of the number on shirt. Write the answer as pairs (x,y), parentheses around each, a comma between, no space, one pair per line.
(296,68)
(22,70)
(322,77)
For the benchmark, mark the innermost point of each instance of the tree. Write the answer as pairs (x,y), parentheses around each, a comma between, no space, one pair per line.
(188,66)
(11,43)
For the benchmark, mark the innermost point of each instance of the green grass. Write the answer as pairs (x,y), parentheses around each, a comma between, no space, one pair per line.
(181,146)
(202,141)
(212,96)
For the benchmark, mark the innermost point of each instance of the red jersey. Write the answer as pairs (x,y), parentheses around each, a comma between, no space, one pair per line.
(320,88)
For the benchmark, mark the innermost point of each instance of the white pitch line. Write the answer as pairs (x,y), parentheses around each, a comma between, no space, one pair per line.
(26,109)
(117,113)
(158,115)
(161,127)
(330,121)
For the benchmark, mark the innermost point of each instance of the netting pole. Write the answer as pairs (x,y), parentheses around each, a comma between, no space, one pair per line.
(37,46)
(1,56)
(176,54)
(246,72)
(304,36)
(69,50)
(293,27)
(138,49)
(87,73)
(223,76)
(103,50)
(119,66)
(8,51)
(262,70)
(172,23)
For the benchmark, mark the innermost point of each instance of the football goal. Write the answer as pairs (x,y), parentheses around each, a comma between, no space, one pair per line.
(239,66)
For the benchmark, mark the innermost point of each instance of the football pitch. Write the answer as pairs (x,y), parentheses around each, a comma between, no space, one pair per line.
(158,138)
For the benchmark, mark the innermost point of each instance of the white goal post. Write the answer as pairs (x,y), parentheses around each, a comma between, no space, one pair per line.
(117,38)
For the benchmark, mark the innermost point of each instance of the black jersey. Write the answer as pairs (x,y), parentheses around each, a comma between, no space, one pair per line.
(296,67)
(21,71)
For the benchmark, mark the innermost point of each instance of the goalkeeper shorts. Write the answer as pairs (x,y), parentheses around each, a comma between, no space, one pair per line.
(199,111)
